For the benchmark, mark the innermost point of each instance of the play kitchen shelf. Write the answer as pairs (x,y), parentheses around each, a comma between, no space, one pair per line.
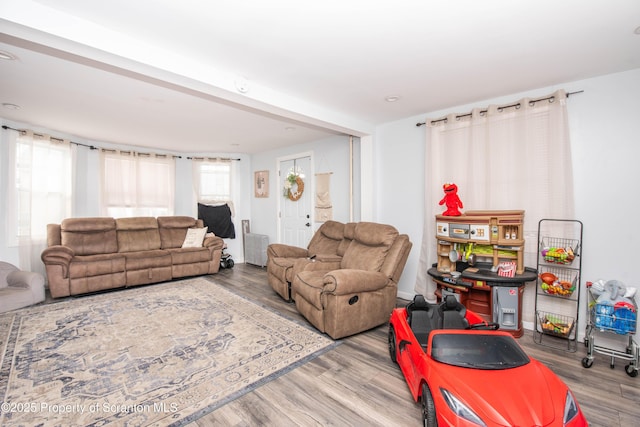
(559,265)
(496,235)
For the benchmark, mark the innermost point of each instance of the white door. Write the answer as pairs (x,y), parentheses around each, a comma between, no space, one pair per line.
(295,215)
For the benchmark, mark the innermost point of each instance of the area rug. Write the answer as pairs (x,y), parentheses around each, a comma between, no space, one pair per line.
(158,355)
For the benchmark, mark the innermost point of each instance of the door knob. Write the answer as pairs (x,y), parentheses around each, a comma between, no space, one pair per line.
(308,224)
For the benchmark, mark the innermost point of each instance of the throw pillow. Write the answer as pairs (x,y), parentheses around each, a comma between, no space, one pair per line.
(194,238)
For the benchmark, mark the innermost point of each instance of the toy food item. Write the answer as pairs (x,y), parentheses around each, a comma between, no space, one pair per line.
(548,278)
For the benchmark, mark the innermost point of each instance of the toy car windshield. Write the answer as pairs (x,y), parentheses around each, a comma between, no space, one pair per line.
(478,351)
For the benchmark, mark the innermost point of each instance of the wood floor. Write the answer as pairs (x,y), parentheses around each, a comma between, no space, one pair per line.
(356,384)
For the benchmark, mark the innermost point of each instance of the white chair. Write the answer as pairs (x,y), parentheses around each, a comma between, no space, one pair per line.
(19,288)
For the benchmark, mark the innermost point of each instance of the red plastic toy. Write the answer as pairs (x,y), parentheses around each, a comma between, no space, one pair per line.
(451,200)
(464,372)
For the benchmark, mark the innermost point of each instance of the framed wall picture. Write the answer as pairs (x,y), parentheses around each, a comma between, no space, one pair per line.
(261,182)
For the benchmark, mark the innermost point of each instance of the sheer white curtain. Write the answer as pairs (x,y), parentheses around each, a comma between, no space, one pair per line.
(137,184)
(39,192)
(514,157)
(212,181)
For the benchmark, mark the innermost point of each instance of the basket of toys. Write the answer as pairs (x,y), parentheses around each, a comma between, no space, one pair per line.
(561,285)
(555,324)
(558,250)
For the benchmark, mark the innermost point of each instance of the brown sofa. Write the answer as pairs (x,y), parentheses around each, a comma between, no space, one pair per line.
(284,261)
(93,254)
(357,292)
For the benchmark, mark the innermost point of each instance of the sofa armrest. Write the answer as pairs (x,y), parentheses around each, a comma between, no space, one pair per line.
(348,281)
(58,255)
(213,242)
(280,250)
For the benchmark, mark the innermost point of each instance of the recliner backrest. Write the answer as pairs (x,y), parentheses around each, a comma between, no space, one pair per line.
(396,258)
(327,238)
(349,233)
(89,236)
(370,246)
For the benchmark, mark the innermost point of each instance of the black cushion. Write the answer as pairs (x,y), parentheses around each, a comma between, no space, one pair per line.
(218,220)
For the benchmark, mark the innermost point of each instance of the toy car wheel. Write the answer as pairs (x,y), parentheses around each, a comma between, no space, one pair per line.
(631,371)
(392,344)
(229,263)
(428,408)
(587,362)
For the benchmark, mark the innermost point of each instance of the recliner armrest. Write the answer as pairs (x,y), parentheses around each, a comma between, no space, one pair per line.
(348,281)
(280,250)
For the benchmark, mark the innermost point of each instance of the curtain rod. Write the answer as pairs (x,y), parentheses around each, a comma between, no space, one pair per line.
(93,147)
(517,104)
(224,159)
(51,137)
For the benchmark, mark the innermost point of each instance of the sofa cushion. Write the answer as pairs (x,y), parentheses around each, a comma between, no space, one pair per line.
(96,265)
(189,255)
(89,236)
(147,259)
(368,249)
(173,230)
(137,234)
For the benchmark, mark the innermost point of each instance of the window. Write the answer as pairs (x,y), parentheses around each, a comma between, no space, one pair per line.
(137,184)
(40,186)
(212,180)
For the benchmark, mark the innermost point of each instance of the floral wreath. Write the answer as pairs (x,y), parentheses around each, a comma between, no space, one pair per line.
(291,180)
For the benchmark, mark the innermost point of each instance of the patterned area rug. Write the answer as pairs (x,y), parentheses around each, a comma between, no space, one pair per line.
(160,355)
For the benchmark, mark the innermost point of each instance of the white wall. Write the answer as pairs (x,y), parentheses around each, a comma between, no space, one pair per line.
(605,138)
(329,155)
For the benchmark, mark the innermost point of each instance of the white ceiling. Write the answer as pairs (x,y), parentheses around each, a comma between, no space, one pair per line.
(222,76)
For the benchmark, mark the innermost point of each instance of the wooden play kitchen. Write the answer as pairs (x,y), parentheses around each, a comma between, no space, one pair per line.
(493,234)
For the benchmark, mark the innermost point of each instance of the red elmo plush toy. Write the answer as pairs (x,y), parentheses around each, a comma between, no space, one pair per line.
(451,200)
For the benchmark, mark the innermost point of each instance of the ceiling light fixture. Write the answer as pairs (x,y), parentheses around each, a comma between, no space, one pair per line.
(392,98)
(6,55)
(10,106)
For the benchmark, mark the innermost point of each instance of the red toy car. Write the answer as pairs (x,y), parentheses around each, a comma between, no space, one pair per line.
(467,373)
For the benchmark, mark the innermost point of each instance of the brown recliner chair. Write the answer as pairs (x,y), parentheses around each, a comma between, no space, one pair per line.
(361,293)
(284,261)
